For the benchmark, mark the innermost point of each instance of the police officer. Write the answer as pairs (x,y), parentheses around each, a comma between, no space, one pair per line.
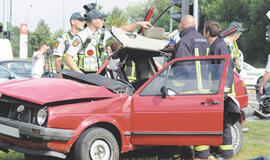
(63,42)
(232,34)
(89,43)
(212,32)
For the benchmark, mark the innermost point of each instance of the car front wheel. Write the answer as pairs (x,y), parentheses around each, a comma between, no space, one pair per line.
(237,137)
(96,144)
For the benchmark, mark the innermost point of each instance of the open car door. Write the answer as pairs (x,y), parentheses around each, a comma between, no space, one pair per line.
(182,104)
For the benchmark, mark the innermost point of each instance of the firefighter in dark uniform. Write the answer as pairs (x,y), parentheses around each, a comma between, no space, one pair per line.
(192,43)
(89,44)
(212,32)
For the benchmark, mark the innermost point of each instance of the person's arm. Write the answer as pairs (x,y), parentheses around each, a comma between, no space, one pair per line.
(264,80)
(71,64)
(58,62)
(131,27)
(182,49)
(58,52)
(41,52)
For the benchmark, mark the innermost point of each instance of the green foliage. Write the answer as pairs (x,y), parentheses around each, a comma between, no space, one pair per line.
(15,41)
(55,36)
(116,18)
(251,14)
(138,11)
(42,34)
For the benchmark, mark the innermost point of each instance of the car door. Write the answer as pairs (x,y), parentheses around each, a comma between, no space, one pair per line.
(182,104)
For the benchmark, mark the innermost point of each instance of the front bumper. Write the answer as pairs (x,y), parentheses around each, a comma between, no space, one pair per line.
(31,139)
(19,129)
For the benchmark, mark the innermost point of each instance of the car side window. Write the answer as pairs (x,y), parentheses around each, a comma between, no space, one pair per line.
(188,77)
(4,73)
(28,67)
(16,67)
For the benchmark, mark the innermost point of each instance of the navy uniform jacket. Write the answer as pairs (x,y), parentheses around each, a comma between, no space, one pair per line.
(219,47)
(191,39)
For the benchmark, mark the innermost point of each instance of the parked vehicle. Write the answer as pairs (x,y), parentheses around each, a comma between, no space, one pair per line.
(93,116)
(6,75)
(251,75)
(19,67)
(6,49)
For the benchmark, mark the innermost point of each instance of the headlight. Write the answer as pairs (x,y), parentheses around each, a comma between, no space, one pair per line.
(42,116)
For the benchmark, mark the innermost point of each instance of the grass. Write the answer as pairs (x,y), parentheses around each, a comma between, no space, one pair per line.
(256,143)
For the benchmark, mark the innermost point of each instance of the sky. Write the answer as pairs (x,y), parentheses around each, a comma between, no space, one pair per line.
(56,13)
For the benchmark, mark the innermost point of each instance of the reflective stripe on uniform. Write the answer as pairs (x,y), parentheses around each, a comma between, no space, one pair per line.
(66,37)
(132,75)
(198,70)
(201,148)
(207,51)
(93,62)
(232,94)
(226,89)
(226,147)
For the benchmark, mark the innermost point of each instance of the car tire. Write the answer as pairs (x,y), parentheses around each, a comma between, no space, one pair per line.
(237,137)
(96,143)
(38,157)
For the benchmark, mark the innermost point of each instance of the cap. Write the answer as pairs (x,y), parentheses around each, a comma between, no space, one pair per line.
(94,14)
(77,15)
(234,27)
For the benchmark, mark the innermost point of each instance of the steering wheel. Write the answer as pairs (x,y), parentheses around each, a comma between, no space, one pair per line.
(126,82)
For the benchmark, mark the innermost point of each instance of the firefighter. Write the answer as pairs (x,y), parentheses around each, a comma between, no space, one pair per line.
(192,43)
(212,32)
(64,41)
(89,43)
(232,34)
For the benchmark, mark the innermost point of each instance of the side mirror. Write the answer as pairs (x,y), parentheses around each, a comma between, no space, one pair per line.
(11,76)
(164,91)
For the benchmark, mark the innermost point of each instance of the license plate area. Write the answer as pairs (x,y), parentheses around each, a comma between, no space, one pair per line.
(9,131)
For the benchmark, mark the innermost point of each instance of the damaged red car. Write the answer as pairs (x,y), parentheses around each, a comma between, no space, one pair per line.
(100,116)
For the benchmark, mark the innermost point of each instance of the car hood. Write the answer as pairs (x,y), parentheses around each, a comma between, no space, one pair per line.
(137,44)
(47,90)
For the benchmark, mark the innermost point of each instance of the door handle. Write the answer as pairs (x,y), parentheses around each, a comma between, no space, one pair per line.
(210,102)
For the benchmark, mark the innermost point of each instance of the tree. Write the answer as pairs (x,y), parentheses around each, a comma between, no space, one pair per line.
(251,14)
(116,18)
(41,34)
(15,41)
(55,36)
(138,11)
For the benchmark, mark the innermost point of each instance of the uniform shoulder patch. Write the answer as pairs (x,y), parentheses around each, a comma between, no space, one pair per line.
(56,44)
(75,43)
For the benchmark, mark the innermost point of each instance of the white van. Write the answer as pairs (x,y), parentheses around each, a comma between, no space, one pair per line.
(5,50)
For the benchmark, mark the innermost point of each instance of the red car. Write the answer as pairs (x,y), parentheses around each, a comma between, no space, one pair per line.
(96,117)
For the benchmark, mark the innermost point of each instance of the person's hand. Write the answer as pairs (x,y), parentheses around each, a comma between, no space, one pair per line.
(145,24)
(44,49)
(261,89)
